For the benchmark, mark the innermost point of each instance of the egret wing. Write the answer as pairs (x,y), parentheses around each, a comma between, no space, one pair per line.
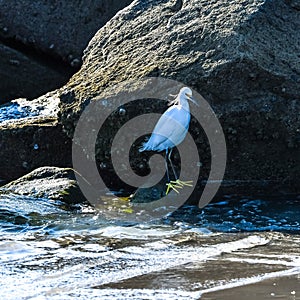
(174,119)
(169,131)
(172,125)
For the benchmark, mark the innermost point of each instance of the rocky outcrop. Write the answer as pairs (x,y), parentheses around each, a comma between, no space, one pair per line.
(47,182)
(41,42)
(241,56)
(31,137)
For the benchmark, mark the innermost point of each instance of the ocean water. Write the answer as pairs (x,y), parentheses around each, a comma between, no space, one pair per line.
(233,248)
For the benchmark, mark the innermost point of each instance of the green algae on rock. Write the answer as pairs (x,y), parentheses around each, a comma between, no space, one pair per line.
(48,182)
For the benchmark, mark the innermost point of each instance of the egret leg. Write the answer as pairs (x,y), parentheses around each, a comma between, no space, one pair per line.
(166,165)
(173,169)
(172,184)
(175,184)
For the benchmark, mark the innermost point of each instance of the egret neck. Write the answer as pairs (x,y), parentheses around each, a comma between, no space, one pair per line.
(183,103)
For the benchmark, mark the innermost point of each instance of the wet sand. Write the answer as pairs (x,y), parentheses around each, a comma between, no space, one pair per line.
(276,288)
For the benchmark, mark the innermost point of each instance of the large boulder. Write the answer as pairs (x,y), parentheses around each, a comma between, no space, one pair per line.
(41,42)
(242,56)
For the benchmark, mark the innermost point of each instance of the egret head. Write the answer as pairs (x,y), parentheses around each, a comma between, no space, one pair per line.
(188,94)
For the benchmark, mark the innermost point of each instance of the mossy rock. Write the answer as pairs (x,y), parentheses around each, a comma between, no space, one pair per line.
(48,182)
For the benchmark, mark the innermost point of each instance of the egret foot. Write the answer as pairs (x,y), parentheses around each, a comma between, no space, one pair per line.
(172,185)
(183,183)
(177,184)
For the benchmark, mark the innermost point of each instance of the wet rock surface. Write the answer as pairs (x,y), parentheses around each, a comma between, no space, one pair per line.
(242,57)
(49,183)
(215,48)
(31,137)
(41,42)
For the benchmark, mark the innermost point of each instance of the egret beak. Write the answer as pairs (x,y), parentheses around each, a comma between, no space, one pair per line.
(190,97)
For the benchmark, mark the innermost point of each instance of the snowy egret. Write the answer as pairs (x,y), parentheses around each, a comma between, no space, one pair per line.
(170,131)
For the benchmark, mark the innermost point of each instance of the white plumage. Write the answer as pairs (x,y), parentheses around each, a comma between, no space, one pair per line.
(173,125)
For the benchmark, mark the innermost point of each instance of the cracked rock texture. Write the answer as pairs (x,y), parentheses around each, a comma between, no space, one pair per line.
(242,56)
